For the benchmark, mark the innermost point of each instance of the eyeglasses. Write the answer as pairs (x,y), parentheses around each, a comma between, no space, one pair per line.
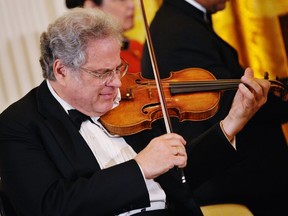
(106,75)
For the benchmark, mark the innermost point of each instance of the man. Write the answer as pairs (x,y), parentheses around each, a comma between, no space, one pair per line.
(56,161)
(261,182)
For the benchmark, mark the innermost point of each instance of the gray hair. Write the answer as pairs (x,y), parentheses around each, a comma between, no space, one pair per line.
(67,38)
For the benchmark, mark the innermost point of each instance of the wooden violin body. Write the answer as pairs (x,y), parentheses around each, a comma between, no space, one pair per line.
(140,105)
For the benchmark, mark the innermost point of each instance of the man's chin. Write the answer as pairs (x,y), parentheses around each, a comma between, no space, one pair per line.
(106,110)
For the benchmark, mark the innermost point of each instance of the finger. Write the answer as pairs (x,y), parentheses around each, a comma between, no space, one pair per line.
(259,89)
(180,160)
(253,87)
(174,139)
(265,85)
(180,150)
(249,72)
(260,86)
(246,91)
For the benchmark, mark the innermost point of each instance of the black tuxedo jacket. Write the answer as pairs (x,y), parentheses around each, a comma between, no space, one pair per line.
(47,168)
(183,39)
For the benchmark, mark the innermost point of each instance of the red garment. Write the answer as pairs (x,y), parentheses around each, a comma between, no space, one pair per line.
(132,52)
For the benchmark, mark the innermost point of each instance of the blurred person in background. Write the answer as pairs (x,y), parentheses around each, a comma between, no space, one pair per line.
(123,11)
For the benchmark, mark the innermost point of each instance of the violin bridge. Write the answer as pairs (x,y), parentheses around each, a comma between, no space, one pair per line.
(150,93)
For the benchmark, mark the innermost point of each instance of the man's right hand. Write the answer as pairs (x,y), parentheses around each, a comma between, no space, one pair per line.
(162,154)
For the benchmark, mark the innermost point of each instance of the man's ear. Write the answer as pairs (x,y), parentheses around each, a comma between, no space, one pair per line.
(60,71)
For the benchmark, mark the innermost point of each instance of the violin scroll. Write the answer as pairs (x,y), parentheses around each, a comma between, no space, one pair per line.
(277,87)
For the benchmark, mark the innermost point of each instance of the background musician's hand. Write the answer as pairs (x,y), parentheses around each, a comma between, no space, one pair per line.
(161,154)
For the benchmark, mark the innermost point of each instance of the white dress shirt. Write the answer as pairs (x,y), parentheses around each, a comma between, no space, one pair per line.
(197,5)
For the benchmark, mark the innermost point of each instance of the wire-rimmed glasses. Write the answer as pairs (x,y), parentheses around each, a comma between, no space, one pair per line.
(106,75)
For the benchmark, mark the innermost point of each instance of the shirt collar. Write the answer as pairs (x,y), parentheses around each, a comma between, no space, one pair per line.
(63,103)
(67,106)
(197,5)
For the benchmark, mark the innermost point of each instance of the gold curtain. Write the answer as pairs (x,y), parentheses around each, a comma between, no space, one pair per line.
(138,32)
(253,28)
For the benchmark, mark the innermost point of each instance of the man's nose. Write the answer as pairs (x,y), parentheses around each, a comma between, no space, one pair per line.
(114,80)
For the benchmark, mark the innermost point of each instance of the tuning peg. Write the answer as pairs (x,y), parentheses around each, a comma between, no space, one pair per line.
(266,75)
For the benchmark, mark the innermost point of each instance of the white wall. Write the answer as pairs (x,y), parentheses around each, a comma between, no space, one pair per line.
(21,23)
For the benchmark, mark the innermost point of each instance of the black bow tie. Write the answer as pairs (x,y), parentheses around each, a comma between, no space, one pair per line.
(78,117)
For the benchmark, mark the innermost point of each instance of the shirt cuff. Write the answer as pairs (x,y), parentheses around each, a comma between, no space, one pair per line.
(233,141)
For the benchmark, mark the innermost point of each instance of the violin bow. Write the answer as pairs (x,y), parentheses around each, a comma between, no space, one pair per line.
(164,108)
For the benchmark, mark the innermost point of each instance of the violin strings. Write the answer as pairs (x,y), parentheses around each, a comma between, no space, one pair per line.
(193,86)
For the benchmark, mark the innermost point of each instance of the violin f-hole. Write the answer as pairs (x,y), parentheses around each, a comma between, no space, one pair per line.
(150,106)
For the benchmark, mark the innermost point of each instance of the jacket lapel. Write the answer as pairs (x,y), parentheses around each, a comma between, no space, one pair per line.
(68,139)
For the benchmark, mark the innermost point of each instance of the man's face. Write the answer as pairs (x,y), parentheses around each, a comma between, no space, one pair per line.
(87,93)
(213,5)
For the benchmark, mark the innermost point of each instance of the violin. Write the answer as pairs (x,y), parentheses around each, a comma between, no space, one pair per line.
(191,94)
